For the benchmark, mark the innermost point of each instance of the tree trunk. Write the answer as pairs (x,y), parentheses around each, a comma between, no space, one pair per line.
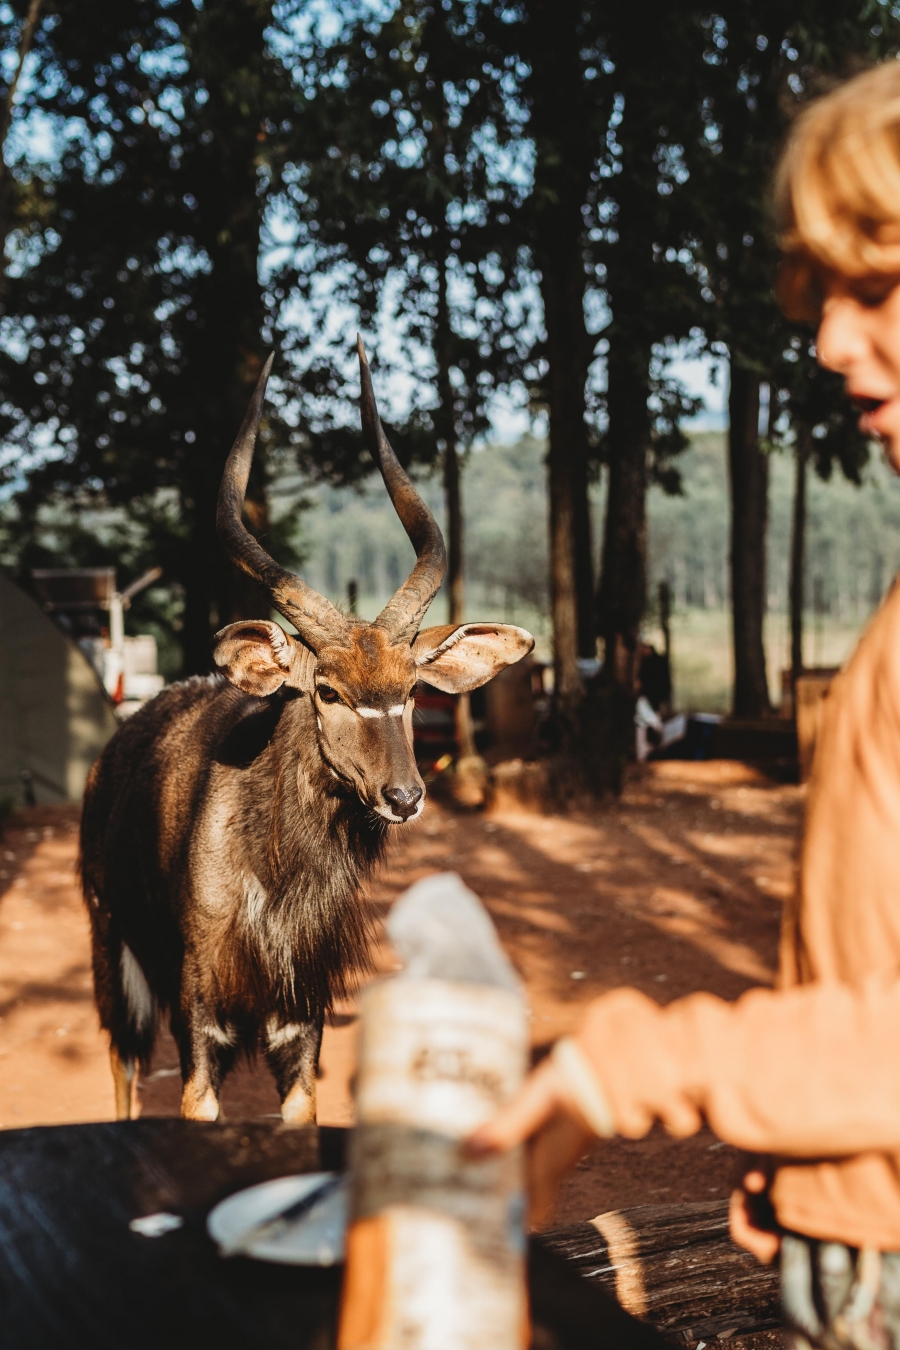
(223,356)
(749,480)
(561,178)
(446,427)
(571,581)
(585,572)
(802,448)
(623,586)
(216,592)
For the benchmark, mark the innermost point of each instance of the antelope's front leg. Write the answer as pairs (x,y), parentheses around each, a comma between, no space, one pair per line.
(207,1051)
(292,1053)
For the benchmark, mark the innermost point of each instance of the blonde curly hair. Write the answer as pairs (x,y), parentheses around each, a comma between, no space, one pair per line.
(837,191)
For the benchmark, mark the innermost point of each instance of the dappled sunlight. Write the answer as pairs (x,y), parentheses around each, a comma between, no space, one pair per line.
(642,867)
(744,801)
(663,891)
(662,843)
(538,916)
(761,855)
(54,1062)
(682,915)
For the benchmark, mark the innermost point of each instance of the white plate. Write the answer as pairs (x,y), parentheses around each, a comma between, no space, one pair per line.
(315,1239)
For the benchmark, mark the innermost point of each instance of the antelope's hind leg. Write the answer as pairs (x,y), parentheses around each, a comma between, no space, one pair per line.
(125,1081)
(127,1010)
(292,1053)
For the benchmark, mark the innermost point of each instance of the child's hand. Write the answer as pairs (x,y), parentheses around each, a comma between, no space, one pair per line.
(763,1243)
(545,1112)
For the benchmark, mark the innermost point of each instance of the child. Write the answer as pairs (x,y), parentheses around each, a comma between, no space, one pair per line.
(808,1074)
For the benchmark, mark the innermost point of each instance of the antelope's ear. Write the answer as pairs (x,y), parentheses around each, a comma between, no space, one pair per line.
(256,655)
(457,659)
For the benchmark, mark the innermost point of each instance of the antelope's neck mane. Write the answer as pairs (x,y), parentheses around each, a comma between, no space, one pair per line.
(313,845)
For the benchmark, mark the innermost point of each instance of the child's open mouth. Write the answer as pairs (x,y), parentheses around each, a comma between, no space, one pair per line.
(879,415)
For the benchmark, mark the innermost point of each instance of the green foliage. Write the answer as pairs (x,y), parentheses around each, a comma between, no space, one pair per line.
(397,194)
(226,176)
(764,61)
(853,540)
(355,534)
(135,321)
(853,535)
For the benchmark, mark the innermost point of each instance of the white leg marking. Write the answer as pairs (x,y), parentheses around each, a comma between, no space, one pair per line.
(222,1035)
(136,990)
(280,1035)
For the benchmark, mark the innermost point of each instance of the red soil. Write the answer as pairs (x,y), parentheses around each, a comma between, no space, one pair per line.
(675,888)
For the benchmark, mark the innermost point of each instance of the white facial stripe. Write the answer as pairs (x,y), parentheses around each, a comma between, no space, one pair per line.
(370,712)
(397,711)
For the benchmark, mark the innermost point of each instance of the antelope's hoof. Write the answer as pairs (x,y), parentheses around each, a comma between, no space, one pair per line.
(203,1107)
(298,1107)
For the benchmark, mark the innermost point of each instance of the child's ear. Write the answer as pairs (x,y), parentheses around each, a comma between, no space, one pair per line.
(457,659)
(256,655)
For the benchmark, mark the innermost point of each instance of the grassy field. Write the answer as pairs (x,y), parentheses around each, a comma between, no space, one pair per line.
(702,660)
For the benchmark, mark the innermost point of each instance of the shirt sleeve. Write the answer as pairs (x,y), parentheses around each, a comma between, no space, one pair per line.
(810,1072)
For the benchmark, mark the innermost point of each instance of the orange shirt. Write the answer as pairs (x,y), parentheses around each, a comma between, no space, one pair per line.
(811,1072)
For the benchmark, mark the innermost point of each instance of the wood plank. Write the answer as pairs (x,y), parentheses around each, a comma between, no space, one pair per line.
(676,1266)
(72,1275)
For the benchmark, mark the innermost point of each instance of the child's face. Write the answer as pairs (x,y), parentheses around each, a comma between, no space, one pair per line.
(859,337)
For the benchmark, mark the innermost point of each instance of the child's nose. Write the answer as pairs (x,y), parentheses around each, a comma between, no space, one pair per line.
(841,341)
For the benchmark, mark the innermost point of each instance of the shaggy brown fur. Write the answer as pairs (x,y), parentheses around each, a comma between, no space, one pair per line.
(207,775)
(228,826)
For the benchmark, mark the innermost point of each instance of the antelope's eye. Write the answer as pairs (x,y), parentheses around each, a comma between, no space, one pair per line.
(327,694)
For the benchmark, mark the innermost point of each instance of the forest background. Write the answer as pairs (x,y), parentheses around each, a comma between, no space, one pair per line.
(531,205)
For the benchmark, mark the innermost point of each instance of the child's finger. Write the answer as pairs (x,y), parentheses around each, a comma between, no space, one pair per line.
(554,1151)
(522,1117)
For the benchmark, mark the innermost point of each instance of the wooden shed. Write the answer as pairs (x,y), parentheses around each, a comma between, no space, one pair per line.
(55,717)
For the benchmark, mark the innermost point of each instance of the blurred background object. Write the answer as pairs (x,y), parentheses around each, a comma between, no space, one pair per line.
(55,716)
(86,605)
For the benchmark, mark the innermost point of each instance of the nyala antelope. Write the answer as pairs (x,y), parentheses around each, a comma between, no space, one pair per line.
(228,825)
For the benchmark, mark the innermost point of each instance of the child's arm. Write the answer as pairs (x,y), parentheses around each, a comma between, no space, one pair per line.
(811,1072)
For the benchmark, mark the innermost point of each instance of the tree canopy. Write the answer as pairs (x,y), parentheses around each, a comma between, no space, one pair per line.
(531,198)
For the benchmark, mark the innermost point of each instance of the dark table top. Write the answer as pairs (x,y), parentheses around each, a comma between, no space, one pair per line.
(73,1275)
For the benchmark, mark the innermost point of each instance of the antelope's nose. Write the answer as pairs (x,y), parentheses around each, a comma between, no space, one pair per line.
(402,800)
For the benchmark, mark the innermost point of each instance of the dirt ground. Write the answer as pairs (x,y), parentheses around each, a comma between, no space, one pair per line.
(677,887)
